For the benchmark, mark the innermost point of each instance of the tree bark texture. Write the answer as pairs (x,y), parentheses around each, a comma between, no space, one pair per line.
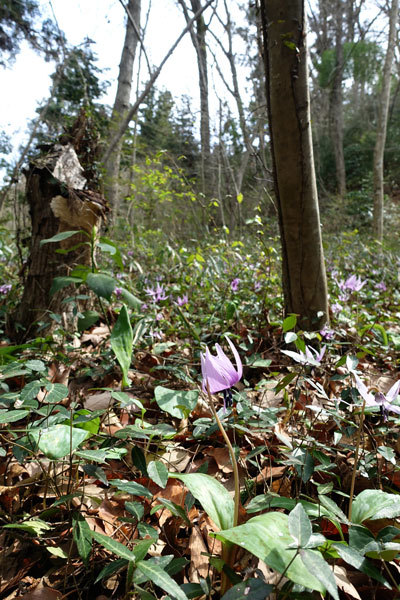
(198,37)
(54,206)
(336,103)
(383,110)
(122,104)
(285,55)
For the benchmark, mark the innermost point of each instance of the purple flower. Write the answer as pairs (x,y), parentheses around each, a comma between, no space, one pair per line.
(384,401)
(327,333)
(149,291)
(130,252)
(309,357)
(5,288)
(257,286)
(160,293)
(336,307)
(120,276)
(182,301)
(353,283)
(381,286)
(118,292)
(218,371)
(235,284)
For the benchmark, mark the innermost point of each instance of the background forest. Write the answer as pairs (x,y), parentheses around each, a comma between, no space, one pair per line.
(199,307)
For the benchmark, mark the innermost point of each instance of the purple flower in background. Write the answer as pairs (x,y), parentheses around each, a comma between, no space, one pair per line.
(327,333)
(257,286)
(352,283)
(235,284)
(383,401)
(5,288)
(182,301)
(160,293)
(130,252)
(219,373)
(118,292)
(120,276)
(336,307)
(149,291)
(381,286)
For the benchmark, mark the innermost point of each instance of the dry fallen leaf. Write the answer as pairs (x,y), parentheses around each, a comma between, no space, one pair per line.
(198,563)
(343,583)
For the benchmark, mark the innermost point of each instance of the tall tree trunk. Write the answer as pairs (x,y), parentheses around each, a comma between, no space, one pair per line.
(198,36)
(336,104)
(285,54)
(383,109)
(122,104)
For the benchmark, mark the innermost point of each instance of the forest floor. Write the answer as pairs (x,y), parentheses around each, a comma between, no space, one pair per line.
(117,491)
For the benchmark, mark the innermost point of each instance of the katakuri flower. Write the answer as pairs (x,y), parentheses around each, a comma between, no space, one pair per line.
(307,357)
(382,401)
(352,283)
(219,373)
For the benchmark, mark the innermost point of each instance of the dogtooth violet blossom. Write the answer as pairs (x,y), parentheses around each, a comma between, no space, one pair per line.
(383,401)
(219,373)
(353,283)
(307,357)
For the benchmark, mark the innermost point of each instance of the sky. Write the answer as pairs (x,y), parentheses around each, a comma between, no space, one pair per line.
(27,80)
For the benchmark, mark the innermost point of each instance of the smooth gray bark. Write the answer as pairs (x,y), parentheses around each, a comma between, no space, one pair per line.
(122,102)
(285,54)
(383,110)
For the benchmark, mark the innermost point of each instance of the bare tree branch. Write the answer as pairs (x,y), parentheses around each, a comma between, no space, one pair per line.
(125,123)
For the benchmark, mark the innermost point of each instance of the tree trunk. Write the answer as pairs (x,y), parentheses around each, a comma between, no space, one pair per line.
(285,55)
(383,109)
(198,37)
(336,104)
(122,104)
(56,204)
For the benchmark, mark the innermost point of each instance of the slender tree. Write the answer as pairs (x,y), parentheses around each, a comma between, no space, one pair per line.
(383,110)
(198,32)
(285,53)
(122,102)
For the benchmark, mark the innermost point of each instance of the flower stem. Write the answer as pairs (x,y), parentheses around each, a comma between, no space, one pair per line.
(227,548)
(356,454)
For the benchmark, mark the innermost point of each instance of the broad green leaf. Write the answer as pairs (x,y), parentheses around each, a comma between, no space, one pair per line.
(114,546)
(30,391)
(131,487)
(111,568)
(289,323)
(33,526)
(111,248)
(135,508)
(158,472)
(141,548)
(159,577)
(101,284)
(89,318)
(139,460)
(121,342)
(96,472)
(357,560)
(82,536)
(290,337)
(131,300)
(35,365)
(95,455)
(55,392)
(299,526)
(214,498)
(174,508)
(61,282)
(59,552)
(10,416)
(160,561)
(59,237)
(333,508)
(375,504)
(57,441)
(170,401)
(316,565)
(267,537)
(251,589)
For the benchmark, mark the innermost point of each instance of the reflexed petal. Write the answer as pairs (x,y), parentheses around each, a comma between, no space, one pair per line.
(362,388)
(393,392)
